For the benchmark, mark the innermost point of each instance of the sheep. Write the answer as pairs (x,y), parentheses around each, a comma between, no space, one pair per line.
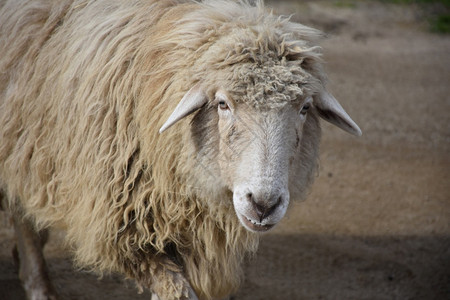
(173,193)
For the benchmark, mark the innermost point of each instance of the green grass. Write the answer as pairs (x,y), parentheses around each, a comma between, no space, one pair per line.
(441,24)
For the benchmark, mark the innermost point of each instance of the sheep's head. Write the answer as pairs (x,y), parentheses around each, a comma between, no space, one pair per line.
(256,132)
(264,156)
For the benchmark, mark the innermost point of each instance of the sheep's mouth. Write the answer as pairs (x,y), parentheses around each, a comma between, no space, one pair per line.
(255,226)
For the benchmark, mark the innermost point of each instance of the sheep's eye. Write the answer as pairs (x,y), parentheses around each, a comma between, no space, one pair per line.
(223,105)
(305,109)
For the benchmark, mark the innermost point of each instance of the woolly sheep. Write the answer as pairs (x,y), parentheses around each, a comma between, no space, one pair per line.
(173,193)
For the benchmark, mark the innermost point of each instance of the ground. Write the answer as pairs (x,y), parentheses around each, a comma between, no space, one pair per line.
(376,224)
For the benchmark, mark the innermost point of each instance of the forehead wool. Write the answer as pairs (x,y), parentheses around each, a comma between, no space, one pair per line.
(260,68)
(268,85)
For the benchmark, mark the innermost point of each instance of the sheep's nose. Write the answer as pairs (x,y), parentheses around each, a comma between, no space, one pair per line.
(264,208)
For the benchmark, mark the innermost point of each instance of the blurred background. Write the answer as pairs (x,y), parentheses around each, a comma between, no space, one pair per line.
(376,224)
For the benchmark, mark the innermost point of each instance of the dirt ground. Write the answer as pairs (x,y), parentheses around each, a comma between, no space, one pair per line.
(376,224)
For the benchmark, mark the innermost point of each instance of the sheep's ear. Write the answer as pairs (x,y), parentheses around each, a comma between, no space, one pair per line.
(192,100)
(330,110)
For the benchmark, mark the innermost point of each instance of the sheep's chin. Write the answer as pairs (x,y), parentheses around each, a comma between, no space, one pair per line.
(253,226)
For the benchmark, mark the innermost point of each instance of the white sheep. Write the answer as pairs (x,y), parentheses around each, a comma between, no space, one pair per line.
(94,137)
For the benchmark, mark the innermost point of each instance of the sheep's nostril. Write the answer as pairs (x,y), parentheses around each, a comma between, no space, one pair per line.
(272,208)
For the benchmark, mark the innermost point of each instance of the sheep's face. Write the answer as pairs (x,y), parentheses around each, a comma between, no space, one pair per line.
(259,149)
(263,154)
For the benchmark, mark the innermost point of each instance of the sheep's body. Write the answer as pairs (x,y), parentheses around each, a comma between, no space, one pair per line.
(84,88)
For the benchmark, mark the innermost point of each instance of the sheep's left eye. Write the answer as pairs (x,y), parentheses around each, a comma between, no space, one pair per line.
(223,105)
(305,109)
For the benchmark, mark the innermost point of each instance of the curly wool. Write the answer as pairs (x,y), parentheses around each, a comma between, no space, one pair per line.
(84,87)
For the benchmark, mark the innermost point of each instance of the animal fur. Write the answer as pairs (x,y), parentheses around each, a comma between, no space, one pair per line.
(84,88)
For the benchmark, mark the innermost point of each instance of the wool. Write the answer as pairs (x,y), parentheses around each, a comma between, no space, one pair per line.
(84,88)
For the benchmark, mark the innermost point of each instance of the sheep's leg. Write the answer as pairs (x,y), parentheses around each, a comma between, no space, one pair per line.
(160,277)
(191,293)
(178,279)
(32,267)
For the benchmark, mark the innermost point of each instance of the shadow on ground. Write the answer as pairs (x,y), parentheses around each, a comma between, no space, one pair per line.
(337,267)
(297,267)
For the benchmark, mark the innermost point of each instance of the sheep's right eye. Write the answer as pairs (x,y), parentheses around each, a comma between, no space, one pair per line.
(223,105)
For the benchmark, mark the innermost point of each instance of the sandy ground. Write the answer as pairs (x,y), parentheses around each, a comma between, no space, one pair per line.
(377,222)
